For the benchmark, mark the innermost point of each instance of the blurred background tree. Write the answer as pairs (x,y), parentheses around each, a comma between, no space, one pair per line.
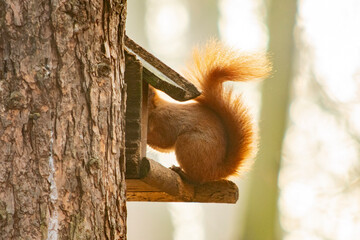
(261,214)
(304,185)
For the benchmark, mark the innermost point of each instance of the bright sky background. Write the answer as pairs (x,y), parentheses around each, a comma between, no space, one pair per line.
(320,177)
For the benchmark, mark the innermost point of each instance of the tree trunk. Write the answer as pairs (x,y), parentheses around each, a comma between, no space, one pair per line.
(261,218)
(62,103)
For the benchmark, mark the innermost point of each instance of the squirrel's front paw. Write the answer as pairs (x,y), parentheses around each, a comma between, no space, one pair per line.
(182,174)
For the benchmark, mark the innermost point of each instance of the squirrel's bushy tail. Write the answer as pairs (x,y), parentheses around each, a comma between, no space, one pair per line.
(214,65)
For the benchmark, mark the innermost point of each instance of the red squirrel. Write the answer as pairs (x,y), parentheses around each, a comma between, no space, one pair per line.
(213,136)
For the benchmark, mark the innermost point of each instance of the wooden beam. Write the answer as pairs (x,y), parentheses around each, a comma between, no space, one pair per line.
(160,184)
(136,115)
(161,82)
(161,76)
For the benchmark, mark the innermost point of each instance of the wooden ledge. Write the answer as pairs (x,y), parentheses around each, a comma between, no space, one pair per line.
(160,184)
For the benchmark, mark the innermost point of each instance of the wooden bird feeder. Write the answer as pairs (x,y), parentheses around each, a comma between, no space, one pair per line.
(146,179)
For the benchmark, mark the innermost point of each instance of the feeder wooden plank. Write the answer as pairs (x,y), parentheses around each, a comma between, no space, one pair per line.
(161,82)
(160,184)
(136,115)
(150,197)
(161,76)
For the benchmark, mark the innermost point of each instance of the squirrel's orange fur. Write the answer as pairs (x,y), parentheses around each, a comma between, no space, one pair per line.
(214,135)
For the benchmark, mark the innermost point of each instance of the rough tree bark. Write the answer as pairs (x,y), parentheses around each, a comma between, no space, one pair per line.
(62,103)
